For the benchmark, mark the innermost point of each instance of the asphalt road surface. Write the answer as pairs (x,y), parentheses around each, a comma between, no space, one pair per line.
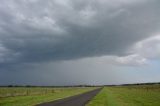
(77,100)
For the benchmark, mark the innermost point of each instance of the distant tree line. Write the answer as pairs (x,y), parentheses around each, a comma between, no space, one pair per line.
(80,85)
(49,86)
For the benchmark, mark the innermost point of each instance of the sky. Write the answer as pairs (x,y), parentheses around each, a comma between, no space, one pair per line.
(76,42)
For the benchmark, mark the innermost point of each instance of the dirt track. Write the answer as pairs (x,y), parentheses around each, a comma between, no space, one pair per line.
(78,100)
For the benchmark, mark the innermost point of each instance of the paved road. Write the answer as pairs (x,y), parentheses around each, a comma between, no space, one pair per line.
(78,100)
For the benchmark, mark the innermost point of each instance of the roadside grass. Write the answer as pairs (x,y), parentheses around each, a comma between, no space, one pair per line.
(30,100)
(104,98)
(142,95)
(25,91)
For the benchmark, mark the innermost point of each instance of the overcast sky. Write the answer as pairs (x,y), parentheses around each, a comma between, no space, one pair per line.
(72,42)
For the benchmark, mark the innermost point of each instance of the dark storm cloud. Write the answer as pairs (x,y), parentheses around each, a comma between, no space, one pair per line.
(103,41)
(50,30)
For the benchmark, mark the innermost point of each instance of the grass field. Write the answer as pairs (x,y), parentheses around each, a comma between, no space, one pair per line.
(142,95)
(21,96)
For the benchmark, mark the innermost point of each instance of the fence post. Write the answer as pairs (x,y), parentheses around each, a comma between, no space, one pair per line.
(27,92)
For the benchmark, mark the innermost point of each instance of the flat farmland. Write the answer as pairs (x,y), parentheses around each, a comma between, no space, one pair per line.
(141,95)
(22,96)
(132,95)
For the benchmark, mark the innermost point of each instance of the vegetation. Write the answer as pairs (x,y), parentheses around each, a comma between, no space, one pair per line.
(137,95)
(128,95)
(22,96)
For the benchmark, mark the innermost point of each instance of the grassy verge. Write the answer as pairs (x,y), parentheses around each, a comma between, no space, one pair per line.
(128,96)
(36,99)
(104,98)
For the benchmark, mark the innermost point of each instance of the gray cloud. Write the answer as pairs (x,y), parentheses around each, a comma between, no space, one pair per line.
(34,31)
(83,71)
(38,32)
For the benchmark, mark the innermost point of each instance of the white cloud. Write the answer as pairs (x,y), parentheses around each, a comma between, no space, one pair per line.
(142,52)
(133,60)
(149,48)
(129,60)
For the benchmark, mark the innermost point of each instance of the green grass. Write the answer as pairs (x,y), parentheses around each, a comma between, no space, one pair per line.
(104,98)
(25,91)
(146,95)
(46,95)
